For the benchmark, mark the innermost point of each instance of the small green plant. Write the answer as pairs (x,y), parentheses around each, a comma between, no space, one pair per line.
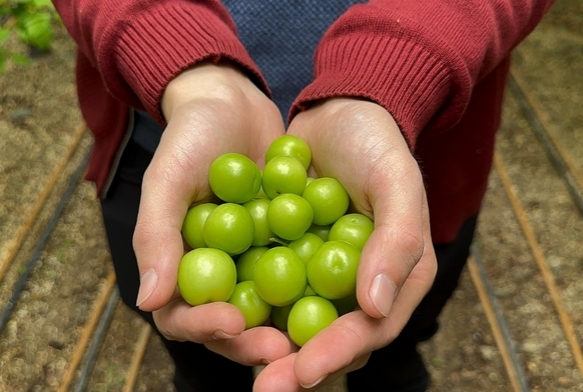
(32,21)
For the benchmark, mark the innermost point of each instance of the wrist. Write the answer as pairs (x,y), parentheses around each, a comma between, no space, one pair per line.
(203,80)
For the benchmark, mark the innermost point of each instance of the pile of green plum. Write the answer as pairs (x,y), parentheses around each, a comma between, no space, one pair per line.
(279,245)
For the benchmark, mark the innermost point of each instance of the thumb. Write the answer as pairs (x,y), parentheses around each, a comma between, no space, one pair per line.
(394,247)
(157,237)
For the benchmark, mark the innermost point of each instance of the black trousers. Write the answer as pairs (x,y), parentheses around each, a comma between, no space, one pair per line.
(396,367)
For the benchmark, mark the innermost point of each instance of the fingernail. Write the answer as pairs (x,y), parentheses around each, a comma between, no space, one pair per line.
(308,386)
(220,335)
(147,285)
(383,293)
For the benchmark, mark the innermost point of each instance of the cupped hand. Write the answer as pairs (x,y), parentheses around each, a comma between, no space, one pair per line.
(210,110)
(359,143)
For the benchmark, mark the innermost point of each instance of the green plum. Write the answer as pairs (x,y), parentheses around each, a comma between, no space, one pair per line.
(234,178)
(229,227)
(258,210)
(353,228)
(306,246)
(254,308)
(193,224)
(206,275)
(308,316)
(291,146)
(328,198)
(283,175)
(280,276)
(246,262)
(332,269)
(289,216)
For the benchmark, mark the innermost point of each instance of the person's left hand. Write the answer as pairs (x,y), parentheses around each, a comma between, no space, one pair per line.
(359,143)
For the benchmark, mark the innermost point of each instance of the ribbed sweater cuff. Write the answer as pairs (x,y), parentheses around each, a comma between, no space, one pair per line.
(159,44)
(402,76)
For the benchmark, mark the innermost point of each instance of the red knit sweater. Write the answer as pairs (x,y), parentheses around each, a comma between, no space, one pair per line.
(438,67)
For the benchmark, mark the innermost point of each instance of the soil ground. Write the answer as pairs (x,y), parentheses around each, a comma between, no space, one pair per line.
(514,324)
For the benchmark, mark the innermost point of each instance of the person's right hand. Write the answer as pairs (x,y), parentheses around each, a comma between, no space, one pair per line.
(211,110)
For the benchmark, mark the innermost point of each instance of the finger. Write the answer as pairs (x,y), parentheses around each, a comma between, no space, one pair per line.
(174,179)
(398,240)
(200,324)
(255,346)
(280,376)
(157,238)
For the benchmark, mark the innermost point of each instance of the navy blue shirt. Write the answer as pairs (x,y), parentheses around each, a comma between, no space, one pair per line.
(281,37)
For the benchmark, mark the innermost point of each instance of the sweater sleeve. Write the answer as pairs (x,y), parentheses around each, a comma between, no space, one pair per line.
(138,46)
(418,59)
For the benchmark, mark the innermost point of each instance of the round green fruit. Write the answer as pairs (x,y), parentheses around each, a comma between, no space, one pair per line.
(258,210)
(255,310)
(352,228)
(193,224)
(246,262)
(280,276)
(289,216)
(234,178)
(308,316)
(229,227)
(291,146)
(306,246)
(206,275)
(332,269)
(328,198)
(283,175)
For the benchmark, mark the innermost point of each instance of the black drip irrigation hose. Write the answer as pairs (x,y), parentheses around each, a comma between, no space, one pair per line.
(20,284)
(501,321)
(554,155)
(95,344)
